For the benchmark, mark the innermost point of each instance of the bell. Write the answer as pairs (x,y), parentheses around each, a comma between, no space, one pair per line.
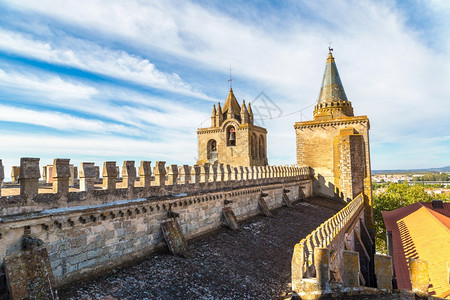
(232,137)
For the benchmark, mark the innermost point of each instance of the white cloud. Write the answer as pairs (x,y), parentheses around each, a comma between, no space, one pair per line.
(91,57)
(389,71)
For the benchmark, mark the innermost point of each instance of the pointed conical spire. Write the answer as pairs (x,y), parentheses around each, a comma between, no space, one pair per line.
(231,106)
(213,117)
(244,113)
(332,95)
(250,114)
(219,115)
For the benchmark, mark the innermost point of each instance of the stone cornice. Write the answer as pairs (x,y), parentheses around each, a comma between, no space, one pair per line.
(341,121)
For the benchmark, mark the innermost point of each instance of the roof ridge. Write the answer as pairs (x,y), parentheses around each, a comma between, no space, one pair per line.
(433,212)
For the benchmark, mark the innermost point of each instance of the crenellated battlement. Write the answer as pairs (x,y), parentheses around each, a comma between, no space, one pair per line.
(163,181)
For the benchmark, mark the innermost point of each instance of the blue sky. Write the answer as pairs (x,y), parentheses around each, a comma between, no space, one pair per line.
(116,80)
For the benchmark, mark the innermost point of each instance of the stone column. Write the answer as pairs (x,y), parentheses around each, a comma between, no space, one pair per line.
(160,173)
(204,173)
(322,265)
(351,268)
(172,176)
(15,172)
(29,177)
(128,174)
(185,174)
(87,176)
(61,175)
(109,175)
(383,272)
(420,280)
(195,174)
(145,173)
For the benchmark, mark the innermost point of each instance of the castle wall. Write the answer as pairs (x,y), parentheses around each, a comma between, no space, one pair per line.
(86,233)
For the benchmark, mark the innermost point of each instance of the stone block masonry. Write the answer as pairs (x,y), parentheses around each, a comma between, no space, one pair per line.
(93,231)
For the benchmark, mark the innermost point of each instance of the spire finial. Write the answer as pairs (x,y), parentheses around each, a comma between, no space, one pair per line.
(329,47)
(231,79)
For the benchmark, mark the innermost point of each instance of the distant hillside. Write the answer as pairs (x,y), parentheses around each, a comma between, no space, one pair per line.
(442,169)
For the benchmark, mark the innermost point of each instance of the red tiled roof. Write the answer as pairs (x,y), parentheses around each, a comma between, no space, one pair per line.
(390,221)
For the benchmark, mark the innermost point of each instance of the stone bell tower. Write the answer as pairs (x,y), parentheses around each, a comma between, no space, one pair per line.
(336,143)
(232,138)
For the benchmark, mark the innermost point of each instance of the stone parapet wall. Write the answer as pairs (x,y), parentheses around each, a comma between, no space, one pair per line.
(86,233)
(162,182)
(330,235)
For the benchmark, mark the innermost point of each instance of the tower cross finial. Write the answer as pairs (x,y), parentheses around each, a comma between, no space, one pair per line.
(231,78)
(329,47)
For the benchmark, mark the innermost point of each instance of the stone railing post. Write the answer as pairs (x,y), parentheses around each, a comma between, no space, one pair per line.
(160,173)
(250,173)
(420,280)
(245,174)
(61,175)
(298,261)
(383,272)
(172,175)
(322,265)
(185,174)
(145,173)
(29,177)
(351,268)
(97,173)
(234,173)
(220,173)
(212,173)
(15,173)
(73,174)
(227,173)
(87,176)
(2,173)
(240,173)
(109,175)
(254,172)
(195,174)
(204,173)
(2,176)
(261,172)
(128,174)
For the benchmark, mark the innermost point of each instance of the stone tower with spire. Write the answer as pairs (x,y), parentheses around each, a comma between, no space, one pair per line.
(232,138)
(336,143)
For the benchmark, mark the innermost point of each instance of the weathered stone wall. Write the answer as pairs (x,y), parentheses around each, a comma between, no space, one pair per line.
(89,232)
(315,148)
(239,155)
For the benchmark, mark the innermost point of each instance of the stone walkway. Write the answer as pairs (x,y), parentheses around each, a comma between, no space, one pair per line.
(253,263)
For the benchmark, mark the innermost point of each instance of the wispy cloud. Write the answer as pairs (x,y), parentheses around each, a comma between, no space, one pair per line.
(390,69)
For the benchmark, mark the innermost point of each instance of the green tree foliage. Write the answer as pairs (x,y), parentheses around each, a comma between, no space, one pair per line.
(396,195)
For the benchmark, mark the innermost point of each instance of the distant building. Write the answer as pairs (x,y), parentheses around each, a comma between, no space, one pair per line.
(233,138)
(420,231)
